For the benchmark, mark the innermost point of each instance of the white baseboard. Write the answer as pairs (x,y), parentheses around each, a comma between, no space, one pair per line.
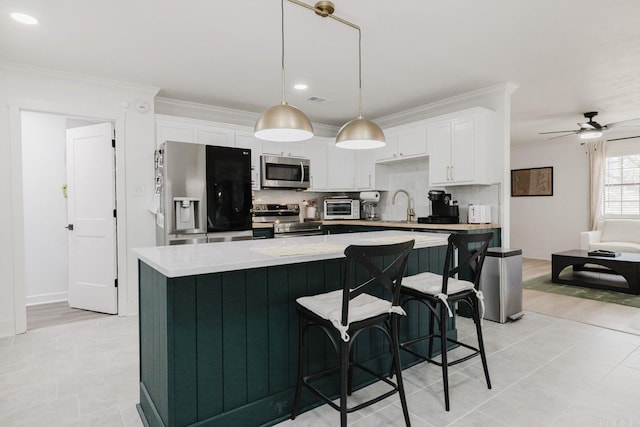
(7,328)
(47,298)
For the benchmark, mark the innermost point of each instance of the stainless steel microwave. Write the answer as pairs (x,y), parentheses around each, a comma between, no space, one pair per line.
(284,172)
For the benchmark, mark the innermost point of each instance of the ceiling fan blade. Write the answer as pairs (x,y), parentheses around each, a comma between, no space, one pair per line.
(626,137)
(558,131)
(625,123)
(561,136)
(586,126)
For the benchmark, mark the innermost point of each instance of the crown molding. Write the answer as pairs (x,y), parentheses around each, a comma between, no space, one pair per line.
(82,78)
(194,110)
(435,108)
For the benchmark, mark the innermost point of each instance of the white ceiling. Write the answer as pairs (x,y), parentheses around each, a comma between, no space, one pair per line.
(567,56)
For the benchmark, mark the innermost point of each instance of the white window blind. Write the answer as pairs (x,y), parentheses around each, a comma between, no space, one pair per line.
(622,186)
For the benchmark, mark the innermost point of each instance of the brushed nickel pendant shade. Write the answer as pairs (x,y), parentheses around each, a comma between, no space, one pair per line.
(360,134)
(283,122)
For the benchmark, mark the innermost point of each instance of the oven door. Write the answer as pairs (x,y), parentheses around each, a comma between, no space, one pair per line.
(284,172)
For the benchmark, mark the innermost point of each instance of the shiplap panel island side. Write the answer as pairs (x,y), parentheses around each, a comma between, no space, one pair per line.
(219,329)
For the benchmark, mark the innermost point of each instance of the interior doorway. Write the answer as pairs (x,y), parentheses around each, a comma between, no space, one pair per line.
(46,216)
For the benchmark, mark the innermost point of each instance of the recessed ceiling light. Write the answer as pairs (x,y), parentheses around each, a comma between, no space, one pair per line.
(300,86)
(24,18)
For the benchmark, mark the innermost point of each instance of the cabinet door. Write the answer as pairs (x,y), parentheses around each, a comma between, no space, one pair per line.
(439,136)
(340,168)
(174,131)
(463,153)
(317,153)
(214,136)
(365,169)
(285,149)
(412,142)
(390,150)
(247,140)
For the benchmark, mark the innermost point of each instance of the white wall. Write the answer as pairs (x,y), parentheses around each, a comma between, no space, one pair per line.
(45,208)
(546,224)
(30,89)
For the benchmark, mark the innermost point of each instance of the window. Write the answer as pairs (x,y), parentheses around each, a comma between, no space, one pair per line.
(622,186)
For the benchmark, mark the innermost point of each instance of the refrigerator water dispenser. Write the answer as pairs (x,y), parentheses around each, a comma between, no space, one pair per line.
(186,211)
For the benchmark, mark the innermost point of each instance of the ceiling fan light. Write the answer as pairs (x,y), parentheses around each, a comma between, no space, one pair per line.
(590,134)
(360,134)
(283,123)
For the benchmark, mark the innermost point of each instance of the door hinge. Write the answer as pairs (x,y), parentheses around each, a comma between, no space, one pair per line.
(116,282)
(114,213)
(113,143)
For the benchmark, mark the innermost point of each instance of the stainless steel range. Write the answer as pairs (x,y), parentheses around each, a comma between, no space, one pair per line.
(286,220)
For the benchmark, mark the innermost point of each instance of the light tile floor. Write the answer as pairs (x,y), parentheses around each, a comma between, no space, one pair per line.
(546,371)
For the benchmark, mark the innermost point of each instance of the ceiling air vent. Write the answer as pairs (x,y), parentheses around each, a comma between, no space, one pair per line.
(317,99)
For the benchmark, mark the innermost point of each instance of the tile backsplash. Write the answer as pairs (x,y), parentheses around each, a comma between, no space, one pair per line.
(413,176)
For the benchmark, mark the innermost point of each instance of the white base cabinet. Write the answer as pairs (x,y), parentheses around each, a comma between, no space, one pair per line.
(459,148)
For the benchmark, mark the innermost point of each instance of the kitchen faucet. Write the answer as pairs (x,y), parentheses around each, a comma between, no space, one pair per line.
(410,212)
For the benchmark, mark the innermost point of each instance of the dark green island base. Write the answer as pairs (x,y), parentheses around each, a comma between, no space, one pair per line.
(220,349)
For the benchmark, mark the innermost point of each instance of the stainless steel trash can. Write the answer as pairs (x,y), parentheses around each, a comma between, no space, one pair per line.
(501,284)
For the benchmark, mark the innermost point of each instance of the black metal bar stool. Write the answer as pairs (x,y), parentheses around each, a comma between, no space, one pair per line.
(440,292)
(343,314)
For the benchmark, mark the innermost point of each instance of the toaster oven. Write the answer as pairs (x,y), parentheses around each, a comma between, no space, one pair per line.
(341,208)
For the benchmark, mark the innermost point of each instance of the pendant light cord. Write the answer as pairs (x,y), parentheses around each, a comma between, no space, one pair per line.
(360,71)
(282,50)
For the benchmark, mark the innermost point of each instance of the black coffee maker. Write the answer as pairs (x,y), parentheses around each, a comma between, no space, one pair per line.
(443,210)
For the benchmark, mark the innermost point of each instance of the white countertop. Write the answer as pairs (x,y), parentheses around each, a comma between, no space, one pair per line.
(187,260)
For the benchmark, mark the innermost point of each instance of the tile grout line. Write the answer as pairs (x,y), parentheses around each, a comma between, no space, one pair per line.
(475,408)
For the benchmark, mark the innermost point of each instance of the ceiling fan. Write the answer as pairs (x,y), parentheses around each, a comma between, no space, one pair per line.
(591,129)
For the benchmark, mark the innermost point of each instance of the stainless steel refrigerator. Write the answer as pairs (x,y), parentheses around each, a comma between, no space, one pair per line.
(204,192)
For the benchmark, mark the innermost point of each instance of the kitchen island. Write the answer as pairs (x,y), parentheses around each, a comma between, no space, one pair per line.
(218,324)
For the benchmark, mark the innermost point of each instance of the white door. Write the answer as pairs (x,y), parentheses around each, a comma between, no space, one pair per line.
(92,225)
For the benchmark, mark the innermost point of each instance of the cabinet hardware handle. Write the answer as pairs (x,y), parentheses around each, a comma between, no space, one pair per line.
(451,173)
(369,180)
(401,154)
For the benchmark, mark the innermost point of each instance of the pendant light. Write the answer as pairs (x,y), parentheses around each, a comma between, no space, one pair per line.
(283,122)
(360,133)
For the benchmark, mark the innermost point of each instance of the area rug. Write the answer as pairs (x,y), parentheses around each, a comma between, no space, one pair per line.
(544,284)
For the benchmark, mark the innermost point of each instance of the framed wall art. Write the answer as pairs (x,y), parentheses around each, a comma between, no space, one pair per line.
(532,182)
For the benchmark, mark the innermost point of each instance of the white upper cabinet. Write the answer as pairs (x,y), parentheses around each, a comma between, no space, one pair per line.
(390,150)
(369,175)
(285,149)
(459,148)
(405,142)
(316,149)
(340,168)
(210,135)
(169,130)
